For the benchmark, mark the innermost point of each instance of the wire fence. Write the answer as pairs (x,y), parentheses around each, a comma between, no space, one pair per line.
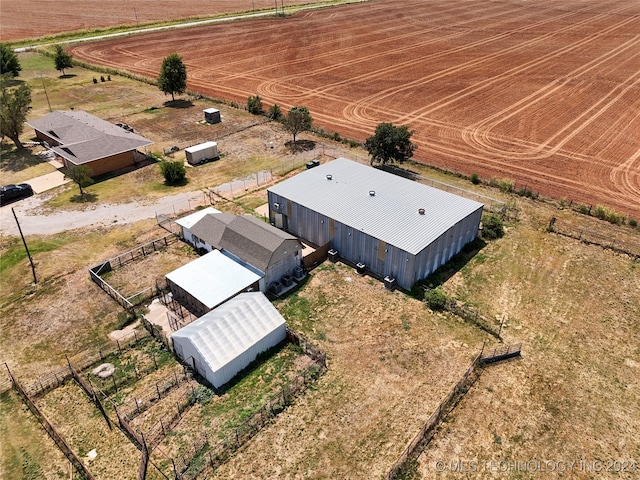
(427,431)
(615,241)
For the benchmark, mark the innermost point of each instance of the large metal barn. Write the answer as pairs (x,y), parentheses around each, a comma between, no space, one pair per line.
(392,227)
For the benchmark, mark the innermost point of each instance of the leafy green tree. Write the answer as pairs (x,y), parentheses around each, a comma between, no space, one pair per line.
(80,175)
(254,105)
(9,64)
(15,104)
(62,59)
(275,112)
(173,75)
(492,227)
(390,144)
(174,173)
(298,120)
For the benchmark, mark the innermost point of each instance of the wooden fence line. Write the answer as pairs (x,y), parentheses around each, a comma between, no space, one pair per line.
(55,436)
(81,360)
(425,434)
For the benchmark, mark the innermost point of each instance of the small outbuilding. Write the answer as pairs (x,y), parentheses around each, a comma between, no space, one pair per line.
(226,340)
(212,115)
(208,281)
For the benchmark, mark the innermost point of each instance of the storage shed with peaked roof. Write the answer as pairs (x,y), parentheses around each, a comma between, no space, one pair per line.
(226,340)
(251,241)
(392,226)
(80,138)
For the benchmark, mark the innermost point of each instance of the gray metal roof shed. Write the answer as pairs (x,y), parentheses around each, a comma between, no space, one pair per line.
(383,205)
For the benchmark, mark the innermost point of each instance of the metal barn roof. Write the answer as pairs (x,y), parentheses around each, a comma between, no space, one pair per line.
(213,278)
(233,328)
(378,203)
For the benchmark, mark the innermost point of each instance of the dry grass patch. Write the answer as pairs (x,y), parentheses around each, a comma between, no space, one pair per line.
(83,427)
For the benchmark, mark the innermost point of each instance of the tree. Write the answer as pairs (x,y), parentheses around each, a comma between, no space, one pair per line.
(173,75)
(390,144)
(62,59)
(274,112)
(9,64)
(15,104)
(492,227)
(254,105)
(298,120)
(80,175)
(174,173)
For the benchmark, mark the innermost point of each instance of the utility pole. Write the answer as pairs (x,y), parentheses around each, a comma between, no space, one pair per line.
(45,92)
(33,267)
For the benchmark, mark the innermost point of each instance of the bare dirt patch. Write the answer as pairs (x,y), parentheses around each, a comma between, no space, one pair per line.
(543,96)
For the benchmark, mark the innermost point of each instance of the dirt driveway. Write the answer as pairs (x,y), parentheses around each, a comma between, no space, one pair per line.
(34,222)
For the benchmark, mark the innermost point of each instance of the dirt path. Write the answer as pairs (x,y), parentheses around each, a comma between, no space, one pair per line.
(34,221)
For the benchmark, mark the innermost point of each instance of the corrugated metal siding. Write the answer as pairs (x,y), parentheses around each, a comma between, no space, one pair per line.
(390,215)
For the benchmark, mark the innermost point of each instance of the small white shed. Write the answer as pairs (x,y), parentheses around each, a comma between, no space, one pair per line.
(224,341)
(202,152)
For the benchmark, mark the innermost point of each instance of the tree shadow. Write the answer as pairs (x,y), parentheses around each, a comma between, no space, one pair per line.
(300,145)
(88,197)
(14,160)
(181,183)
(179,103)
(68,75)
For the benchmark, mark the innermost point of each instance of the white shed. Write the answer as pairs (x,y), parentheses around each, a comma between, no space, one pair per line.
(224,341)
(190,220)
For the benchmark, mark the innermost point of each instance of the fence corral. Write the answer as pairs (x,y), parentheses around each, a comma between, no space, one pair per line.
(138,253)
(215,454)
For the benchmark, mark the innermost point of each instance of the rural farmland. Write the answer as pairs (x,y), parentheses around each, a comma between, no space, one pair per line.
(540,95)
(22,20)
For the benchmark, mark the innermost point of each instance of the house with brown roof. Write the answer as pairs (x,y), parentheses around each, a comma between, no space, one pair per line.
(80,138)
(248,240)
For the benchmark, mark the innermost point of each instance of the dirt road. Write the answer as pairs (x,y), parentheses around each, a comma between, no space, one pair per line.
(35,221)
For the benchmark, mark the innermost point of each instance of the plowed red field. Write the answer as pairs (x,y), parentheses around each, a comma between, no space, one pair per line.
(545,94)
(20,19)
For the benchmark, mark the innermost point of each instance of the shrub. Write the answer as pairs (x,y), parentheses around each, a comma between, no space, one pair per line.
(254,105)
(436,299)
(201,395)
(475,179)
(174,173)
(504,186)
(492,227)
(275,113)
(582,208)
(633,223)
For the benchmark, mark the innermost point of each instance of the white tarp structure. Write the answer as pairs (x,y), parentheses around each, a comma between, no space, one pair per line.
(224,341)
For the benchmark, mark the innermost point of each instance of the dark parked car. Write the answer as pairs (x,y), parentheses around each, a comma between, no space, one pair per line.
(12,192)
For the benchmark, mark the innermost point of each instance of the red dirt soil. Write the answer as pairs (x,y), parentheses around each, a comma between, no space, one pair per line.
(543,94)
(22,19)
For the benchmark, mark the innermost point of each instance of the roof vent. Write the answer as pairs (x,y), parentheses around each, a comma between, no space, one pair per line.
(421,211)
(372,193)
(329,177)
